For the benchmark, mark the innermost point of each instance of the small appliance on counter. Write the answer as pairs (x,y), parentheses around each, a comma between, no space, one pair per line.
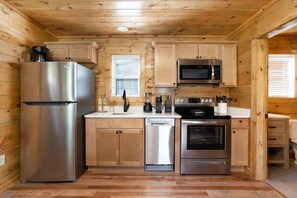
(168,104)
(147,107)
(39,54)
(158,104)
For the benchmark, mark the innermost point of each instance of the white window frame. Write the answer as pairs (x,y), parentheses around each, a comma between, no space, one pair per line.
(282,67)
(127,76)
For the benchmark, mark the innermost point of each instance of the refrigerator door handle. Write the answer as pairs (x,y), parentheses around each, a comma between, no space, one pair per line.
(48,103)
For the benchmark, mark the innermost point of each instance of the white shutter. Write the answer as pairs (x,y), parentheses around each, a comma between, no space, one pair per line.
(125,75)
(281,76)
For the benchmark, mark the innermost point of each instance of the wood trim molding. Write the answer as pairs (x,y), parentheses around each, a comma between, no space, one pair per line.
(259,99)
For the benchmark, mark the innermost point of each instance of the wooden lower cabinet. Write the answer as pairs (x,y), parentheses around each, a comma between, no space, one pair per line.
(239,142)
(119,147)
(115,142)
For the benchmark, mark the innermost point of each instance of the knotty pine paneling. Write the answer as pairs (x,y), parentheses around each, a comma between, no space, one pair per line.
(145,47)
(17,35)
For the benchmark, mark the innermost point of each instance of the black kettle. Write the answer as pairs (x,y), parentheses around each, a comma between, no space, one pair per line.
(39,54)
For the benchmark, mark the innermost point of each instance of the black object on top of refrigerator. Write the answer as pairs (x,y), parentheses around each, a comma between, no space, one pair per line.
(55,96)
(39,54)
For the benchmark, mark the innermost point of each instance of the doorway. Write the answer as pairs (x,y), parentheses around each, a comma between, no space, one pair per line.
(284,46)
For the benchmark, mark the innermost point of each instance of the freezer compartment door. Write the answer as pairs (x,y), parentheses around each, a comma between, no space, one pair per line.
(48,135)
(48,81)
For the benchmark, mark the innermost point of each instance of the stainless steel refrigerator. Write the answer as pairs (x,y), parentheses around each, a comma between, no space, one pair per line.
(55,96)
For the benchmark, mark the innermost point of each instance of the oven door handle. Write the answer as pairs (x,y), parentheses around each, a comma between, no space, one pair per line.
(208,122)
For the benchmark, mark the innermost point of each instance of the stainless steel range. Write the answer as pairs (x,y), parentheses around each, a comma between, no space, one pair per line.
(205,137)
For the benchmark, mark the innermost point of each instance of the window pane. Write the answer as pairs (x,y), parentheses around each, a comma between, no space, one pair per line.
(281,76)
(125,75)
(130,85)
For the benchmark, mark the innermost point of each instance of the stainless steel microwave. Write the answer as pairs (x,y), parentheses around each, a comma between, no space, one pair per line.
(196,71)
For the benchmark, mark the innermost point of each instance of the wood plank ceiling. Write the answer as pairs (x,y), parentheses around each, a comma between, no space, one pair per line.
(141,17)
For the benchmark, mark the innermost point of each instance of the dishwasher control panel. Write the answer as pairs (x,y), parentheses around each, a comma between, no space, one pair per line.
(159,121)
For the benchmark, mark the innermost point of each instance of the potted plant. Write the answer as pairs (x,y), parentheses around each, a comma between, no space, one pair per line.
(222,103)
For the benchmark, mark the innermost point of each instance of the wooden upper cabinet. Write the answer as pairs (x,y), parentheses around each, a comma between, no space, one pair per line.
(83,52)
(165,65)
(187,51)
(204,51)
(166,56)
(229,65)
(209,51)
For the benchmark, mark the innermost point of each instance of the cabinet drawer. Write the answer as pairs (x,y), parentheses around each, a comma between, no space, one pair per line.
(112,123)
(275,138)
(276,126)
(240,123)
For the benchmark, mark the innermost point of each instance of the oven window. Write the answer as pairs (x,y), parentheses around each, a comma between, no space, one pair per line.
(206,137)
(195,72)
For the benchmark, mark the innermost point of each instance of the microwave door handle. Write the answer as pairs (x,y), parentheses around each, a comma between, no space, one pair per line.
(212,71)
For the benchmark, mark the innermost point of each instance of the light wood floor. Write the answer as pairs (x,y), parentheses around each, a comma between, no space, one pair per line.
(128,183)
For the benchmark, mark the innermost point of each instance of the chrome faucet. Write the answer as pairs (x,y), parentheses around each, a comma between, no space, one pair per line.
(126,106)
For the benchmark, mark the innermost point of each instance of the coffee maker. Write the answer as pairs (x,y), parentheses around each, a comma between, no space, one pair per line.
(159,107)
(147,107)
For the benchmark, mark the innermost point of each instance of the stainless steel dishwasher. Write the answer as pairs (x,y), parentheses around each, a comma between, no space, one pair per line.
(159,144)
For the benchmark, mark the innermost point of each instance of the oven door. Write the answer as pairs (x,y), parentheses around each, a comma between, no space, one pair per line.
(206,139)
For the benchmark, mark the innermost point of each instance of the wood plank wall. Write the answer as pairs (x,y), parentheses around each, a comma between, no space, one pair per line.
(286,44)
(17,35)
(141,45)
(272,16)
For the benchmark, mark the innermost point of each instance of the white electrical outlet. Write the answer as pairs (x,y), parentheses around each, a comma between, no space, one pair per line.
(2,160)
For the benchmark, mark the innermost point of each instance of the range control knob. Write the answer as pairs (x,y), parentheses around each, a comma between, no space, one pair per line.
(202,100)
(206,100)
(210,100)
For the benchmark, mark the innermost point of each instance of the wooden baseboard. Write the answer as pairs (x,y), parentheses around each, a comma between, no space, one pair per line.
(237,168)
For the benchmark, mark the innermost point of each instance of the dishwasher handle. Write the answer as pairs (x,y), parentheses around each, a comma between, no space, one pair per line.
(160,124)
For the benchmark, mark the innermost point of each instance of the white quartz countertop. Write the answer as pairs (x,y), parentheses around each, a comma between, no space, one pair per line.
(235,112)
(132,115)
(272,115)
(136,112)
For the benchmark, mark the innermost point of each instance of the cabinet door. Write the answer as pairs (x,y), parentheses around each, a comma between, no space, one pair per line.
(107,147)
(58,52)
(229,65)
(239,147)
(187,51)
(209,51)
(80,52)
(165,65)
(131,147)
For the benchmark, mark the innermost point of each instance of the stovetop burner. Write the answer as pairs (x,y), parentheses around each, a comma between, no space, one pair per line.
(197,108)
